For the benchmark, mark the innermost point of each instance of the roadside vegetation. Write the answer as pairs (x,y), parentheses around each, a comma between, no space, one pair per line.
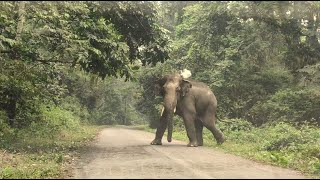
(278,144)
(31,156)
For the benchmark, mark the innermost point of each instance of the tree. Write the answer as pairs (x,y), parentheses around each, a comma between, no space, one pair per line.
(102,38)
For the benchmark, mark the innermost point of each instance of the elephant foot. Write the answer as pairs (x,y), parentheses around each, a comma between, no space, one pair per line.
(156,142)
(200,142)
(221,141)
(192,144)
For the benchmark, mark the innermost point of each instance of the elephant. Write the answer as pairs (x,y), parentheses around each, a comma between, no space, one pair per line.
(194,102)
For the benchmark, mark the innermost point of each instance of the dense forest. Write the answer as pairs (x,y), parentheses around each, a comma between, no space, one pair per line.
(70,66)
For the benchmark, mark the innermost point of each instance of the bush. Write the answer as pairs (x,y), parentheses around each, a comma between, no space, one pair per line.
(294,106)
(7,134)
(59,118)
(285,136)
(235,125)
(72,104)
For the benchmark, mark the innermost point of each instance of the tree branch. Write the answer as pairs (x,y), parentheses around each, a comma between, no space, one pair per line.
(5,51)
(43,61)
(55,61)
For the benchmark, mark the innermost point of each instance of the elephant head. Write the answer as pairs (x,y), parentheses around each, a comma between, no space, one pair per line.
(172,87)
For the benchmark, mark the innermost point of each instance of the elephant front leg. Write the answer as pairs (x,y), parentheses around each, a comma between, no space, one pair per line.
(159,133)
(191,130)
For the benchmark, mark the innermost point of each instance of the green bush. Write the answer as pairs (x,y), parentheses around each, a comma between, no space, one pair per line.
(56,117)
(18,173)
(177,122)
(104,117)
(236,124)
(294,106)
(282,136)
(7,134)
(72,104)
(304,139)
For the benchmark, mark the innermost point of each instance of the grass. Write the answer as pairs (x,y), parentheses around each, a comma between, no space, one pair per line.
(48,146)
(47,156)
(280,144)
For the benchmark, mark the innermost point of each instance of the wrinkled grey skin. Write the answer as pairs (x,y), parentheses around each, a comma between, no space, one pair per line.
(194,102)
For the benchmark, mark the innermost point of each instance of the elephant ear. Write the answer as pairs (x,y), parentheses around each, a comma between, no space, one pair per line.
(185,87)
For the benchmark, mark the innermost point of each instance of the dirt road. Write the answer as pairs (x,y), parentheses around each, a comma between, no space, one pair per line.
(126,153)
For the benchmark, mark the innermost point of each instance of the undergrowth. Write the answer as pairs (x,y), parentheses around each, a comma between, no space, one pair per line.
(45,149)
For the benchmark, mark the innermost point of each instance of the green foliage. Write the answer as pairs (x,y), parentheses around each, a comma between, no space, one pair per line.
(23,87)
(310,75)
(45,156)
(72,105)
(45,147)
(16,173)
(59,117)
(234,125)
(102,37)
(38,40)
(295,106)
(6,133)
(150,101)
(111,101)
(284,136)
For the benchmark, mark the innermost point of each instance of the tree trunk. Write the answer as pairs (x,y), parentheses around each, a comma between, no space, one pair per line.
(11,109)
(21,18)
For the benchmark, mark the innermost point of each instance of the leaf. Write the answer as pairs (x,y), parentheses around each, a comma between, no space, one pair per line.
(11,42)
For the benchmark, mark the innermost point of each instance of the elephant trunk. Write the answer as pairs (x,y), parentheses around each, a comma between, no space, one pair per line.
(170,103)
(170,127)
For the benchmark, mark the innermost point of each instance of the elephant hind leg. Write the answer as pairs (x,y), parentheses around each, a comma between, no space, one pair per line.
(218,135)
(209,122)
(199,128)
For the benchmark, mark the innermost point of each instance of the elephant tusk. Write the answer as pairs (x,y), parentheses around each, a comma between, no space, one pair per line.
(162,110)
(175,108)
